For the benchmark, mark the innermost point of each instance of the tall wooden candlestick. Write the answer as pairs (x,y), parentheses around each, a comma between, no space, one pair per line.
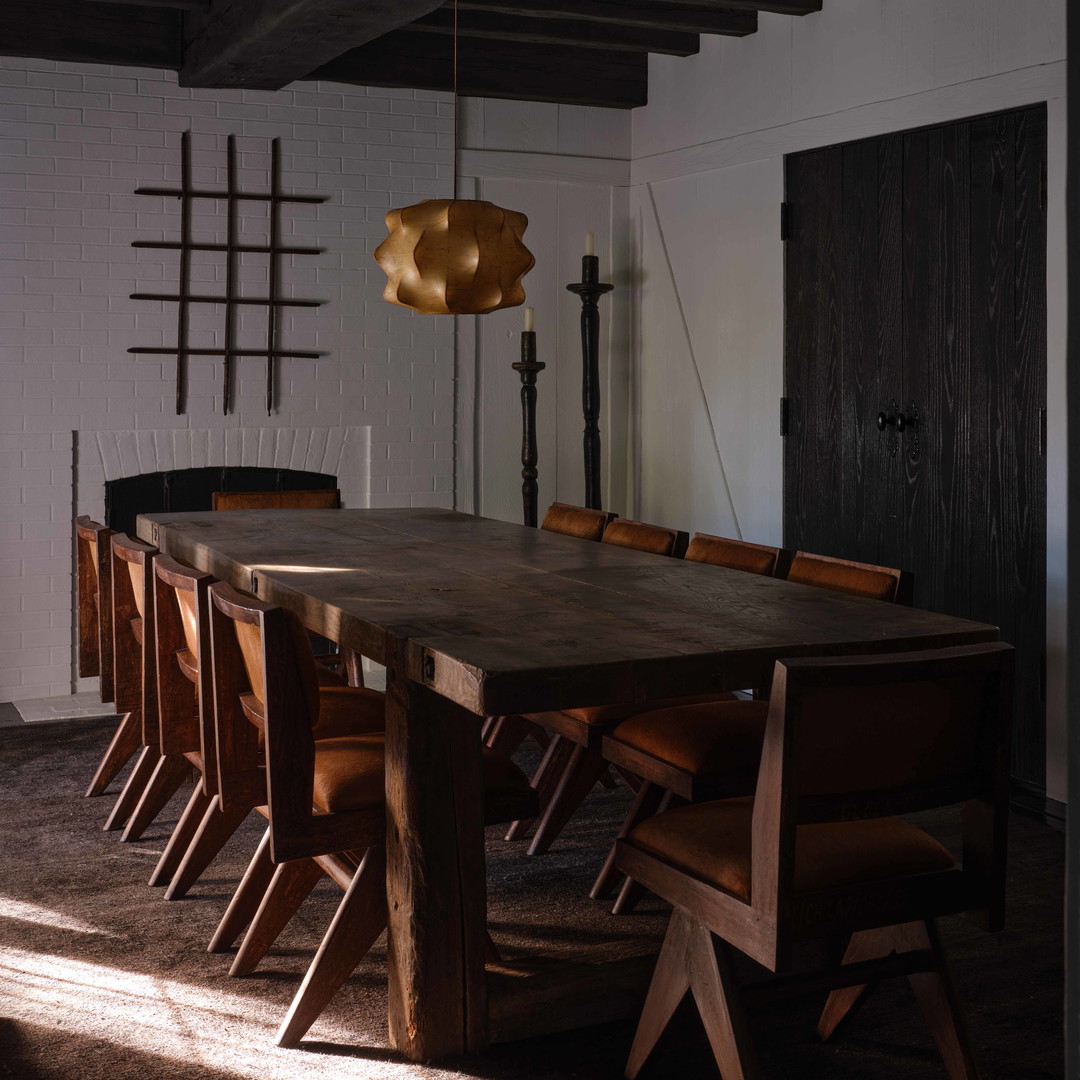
(590,289)
(528,367)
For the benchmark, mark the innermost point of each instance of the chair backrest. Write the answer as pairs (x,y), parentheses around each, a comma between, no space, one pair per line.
(736,555)
(577,521)
(853,578)
(867,737)
(315,499)
(134,661)
(94,590)
(184,670)
(260,650)
(643,537)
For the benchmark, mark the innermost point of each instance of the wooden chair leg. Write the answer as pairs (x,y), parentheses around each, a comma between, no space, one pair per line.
(214,831)
(716,994)
(507,734)
(545,780)
(289,888)
(644,806)
(842,1004)
(582,771)
(181,838)
(670,982)
(358,921)
(246,899)
(170,772)
(125,742)
(937,997)
(132,790)
(630,892)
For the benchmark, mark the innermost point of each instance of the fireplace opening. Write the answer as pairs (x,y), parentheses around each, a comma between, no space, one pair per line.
(191,489)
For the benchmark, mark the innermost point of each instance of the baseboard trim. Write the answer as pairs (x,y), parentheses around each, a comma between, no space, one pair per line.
(1031,800)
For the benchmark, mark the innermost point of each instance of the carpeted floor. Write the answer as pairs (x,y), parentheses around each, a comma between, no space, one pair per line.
(100,979)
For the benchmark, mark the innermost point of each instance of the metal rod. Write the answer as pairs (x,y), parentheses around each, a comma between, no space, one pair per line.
(528,367)
(590,289)
(259,301)
(242,196)
(165,351)
(185,271)
(230,278)
(253,249)
(273,273)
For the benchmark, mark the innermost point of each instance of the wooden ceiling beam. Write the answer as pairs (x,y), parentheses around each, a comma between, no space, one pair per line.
(97,33)
(695,18)
(778,7)
(266,44)
(498,69)
(495,26)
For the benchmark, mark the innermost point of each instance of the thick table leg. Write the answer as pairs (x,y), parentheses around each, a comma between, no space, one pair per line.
(435,876)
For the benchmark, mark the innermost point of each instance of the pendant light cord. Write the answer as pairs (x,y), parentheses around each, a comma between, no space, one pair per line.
(456,108)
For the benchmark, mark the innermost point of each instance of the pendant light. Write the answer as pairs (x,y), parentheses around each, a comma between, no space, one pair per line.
(454,256)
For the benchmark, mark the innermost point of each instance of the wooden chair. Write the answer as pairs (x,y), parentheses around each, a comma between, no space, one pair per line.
(93,577)
(577,521)
(849,742)
(325,793)
(694,752)
(643,537)
(186,721)
(315,499)
(573,763)
(738,555)
(156,777)
(854,578)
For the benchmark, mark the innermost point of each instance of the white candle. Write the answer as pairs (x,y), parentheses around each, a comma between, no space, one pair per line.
(590,243)
(528,319)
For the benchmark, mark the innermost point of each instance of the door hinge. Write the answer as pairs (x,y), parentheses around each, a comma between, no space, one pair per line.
(785,221)
(783,416)
(1042,433)
(1042,185)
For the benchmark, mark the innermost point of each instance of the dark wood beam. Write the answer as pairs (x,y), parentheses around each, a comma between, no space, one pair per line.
(266,44)
(694,18)
(780,7)
(495,26)
(183,5)
(508,69)
(98,33)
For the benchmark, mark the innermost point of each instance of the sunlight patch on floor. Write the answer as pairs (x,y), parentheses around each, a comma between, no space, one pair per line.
(33,913)
(176,1020)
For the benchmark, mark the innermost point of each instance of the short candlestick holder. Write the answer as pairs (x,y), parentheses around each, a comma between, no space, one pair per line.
(590,289)
(528,367)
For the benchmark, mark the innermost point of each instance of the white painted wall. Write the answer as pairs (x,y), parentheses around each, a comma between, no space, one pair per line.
(75,140)
(567,168)
(707,181)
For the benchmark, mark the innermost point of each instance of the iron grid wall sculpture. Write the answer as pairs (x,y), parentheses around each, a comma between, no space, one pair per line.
(232,248)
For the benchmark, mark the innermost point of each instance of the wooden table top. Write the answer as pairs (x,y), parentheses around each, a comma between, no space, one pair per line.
(503,618)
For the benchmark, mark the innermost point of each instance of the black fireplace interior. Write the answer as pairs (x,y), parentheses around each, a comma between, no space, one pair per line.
(191,489)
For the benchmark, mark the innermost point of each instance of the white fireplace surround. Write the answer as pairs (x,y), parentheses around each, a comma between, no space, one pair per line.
(98,456)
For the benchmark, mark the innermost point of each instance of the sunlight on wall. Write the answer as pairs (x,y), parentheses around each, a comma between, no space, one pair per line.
(174,1020)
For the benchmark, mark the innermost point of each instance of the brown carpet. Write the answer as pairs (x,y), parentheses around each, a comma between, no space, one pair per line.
(100,979)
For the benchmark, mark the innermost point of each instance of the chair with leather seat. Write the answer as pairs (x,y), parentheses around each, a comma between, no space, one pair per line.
(325,792)
(820,853)
(692,752)
(93,578)
(572,763)
(156,777)
(311,499)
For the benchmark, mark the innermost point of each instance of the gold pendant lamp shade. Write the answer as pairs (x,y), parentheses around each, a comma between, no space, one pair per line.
(455,257)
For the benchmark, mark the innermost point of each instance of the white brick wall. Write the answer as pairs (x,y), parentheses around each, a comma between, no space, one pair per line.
(75,140)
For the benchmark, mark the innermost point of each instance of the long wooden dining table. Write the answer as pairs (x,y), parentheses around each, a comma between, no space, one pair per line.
(474,617)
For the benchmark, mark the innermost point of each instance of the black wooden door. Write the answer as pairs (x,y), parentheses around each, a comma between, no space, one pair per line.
(915,288)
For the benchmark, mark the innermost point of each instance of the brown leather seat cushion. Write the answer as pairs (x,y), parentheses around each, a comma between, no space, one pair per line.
(349,775)
(641,537)
(734,554)
(576,521)
(613,714)
(711,841)
(328,676)
(343,710)
(724,736)
(853,580)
